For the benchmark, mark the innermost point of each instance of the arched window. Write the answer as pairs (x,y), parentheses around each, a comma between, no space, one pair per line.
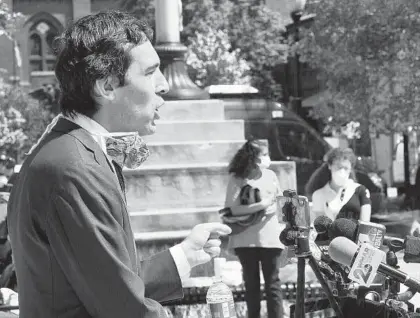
(41,37)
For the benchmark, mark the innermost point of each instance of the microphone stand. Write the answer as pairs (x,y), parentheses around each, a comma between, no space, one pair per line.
(303,253)
(394,285)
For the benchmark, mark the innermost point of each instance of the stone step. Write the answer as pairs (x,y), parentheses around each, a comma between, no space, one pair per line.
(192,152)
(188,186)
(197,130)
(211,109)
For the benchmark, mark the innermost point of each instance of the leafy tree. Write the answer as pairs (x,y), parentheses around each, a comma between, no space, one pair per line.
(252,28)
(367,53)
(141,8)
(8,19)
(12,122)
(23,118)
(212,61)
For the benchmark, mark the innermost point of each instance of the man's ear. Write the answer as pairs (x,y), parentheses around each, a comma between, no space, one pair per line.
(105,87)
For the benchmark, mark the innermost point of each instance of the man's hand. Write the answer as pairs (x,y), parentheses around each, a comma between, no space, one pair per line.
(203,243)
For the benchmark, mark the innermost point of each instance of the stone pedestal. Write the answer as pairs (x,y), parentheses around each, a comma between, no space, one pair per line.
(174,69)
(183,183)
(172,52)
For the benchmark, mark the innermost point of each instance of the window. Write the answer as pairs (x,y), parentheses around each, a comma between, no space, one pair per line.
(298,141)
(41,56)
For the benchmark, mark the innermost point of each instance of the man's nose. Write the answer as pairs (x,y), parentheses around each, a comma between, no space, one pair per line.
(162,86)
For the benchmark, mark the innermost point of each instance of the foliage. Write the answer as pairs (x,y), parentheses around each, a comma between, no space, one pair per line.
(12,121)
(212,61)
(367,53)
(12,135)
(8,19)
(23,119)
(253,29)
(144,9)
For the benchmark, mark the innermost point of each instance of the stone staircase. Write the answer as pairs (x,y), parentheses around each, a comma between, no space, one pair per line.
(183,182)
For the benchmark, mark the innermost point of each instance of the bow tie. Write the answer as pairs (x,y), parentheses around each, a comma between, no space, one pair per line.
(127,151)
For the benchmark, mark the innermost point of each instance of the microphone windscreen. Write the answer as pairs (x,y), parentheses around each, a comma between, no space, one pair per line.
(322,223)
(343,227)
(288,236)
(342,250)
(412,249)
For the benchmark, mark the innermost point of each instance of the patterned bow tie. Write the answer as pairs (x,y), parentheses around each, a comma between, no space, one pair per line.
(128,150)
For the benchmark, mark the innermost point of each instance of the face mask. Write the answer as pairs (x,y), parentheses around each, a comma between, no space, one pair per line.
(127,149)
(340,177)
(265,162)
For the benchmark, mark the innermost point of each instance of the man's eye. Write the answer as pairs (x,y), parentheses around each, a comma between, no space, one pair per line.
(151,72)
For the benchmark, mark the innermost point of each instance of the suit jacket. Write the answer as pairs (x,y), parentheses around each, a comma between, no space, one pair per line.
(71,237)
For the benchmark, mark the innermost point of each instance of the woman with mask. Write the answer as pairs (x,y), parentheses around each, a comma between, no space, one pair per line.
(259,242)
(341,196)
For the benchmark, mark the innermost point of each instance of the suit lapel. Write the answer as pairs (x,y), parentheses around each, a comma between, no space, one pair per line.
(66,126)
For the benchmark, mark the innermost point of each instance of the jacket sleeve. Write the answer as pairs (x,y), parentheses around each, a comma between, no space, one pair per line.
(96,254)
(161,278)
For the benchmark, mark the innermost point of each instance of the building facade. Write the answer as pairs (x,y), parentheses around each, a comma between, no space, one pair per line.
(28,58)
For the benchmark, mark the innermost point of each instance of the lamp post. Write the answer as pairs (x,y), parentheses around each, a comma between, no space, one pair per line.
(168,15)
(296,13)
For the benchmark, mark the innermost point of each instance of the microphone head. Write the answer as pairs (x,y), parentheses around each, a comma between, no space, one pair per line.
(343,227)
(322,224)
(342,250)
(412,249)
(288,236)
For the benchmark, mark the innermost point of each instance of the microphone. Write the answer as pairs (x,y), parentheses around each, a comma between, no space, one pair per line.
(370,232)
(343,227)
(344,251)
(359,232)
(375,234)
(412,249)
(322,224)
(410,245)
(288,236)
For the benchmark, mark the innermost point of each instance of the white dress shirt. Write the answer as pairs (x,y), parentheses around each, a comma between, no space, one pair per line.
(98,133)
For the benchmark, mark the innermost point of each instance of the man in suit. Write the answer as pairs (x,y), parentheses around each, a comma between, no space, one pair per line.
(70,231)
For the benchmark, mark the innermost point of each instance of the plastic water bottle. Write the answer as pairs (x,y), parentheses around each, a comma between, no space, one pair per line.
(219,296)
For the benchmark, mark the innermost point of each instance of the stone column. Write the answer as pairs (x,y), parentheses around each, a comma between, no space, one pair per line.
(168,15)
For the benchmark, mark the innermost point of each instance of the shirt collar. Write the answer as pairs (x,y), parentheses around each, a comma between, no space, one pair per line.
(95,129)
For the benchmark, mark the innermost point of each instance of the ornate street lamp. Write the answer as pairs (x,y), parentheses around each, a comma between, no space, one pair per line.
(296,13)
(168,14)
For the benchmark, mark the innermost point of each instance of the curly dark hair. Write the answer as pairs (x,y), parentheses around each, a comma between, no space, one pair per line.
(339,154)
(95,47)
(322,175)
(245,159)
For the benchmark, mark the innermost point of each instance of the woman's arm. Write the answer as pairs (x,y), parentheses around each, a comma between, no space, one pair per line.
(277,192)
(365,212)
(365,204)
(233,202)
(318,206)
(251,208)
